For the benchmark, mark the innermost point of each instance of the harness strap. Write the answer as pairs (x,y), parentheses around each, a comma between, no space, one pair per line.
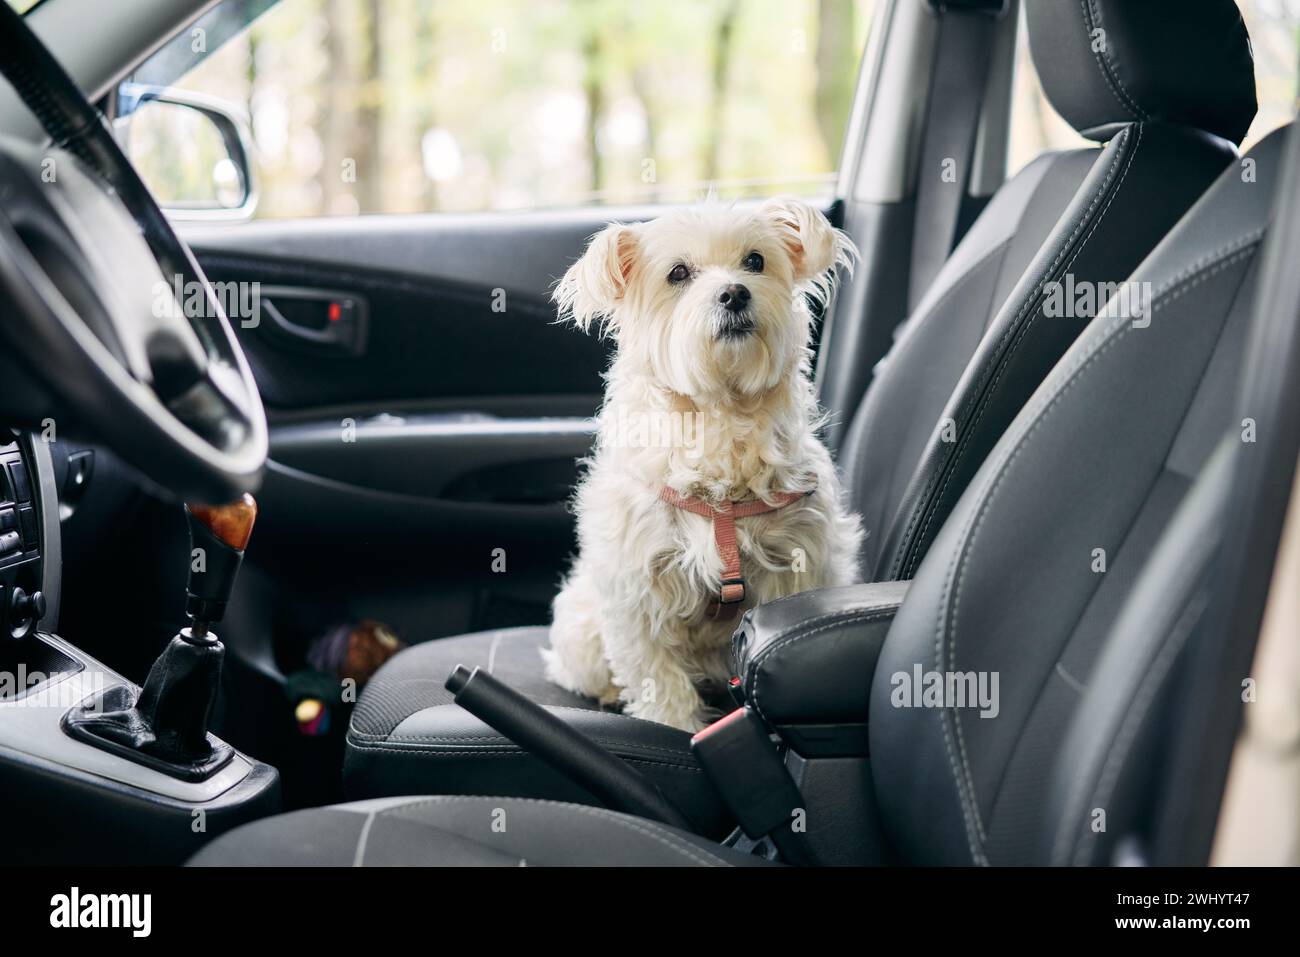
(723,516)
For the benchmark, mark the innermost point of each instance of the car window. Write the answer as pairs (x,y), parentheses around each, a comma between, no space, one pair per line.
(1274,27)
(393,106)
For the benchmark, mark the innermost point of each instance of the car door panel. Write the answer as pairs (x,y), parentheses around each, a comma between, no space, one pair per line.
(426,338)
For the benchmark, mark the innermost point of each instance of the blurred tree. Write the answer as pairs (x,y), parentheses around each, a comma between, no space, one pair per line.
(338,165)
(250,74)
(641,86)
(424,87)
(593,87)
(721,63)
(837,57)
(370,104)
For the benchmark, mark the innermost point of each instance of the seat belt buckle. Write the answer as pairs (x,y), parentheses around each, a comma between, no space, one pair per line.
(736,688)
(749,774)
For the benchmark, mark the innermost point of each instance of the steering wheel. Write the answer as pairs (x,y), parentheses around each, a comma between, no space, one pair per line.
(89,270)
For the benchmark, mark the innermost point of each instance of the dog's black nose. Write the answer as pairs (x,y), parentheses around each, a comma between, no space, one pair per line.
(734,298)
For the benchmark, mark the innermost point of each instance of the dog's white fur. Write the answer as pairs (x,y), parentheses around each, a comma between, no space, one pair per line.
(630,622)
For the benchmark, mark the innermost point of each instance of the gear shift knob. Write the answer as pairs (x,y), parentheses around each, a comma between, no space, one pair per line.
(232,524)
(218,536)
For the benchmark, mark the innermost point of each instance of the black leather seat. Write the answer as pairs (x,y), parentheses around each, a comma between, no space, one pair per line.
(977,346)
(1116,450)
(1099,459)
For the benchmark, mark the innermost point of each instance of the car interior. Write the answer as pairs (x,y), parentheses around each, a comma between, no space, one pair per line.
(274,586)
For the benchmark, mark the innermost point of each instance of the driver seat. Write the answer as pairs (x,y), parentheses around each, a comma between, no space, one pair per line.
(973,352)
(1102,456)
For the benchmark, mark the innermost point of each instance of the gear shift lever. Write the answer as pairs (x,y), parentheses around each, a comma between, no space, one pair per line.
(218,537)
(166,725)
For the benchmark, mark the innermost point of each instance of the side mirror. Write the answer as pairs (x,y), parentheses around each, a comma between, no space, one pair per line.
(191,151)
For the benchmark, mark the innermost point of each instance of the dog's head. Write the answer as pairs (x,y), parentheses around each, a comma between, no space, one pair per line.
(707,300)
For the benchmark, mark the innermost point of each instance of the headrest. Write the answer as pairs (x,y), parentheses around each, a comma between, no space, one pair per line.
(1107,63)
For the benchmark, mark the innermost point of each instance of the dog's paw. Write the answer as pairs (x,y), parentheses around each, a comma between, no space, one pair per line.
(593,684)
(556,673)
(688,717)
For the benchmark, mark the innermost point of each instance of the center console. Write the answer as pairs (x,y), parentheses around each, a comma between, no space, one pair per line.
(804,665)
(78,800)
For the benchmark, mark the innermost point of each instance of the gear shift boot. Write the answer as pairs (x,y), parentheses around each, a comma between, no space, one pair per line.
(165,726)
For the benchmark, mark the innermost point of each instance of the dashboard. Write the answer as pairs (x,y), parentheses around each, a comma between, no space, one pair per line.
(25,591)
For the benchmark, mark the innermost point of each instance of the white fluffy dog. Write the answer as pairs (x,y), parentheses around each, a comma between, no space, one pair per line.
(707,431)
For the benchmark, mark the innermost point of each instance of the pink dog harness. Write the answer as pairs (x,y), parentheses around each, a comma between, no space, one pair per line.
(724,533)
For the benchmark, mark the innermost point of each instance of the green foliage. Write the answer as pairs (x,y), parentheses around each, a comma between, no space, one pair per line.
(507,104)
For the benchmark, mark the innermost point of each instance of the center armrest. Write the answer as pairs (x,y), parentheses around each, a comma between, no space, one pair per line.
(805,663)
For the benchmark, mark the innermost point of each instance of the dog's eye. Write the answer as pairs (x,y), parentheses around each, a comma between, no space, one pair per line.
(753,262)
(680,273)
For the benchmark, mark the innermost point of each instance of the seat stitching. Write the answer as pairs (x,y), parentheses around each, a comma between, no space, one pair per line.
(1078,686)
(1217,258)
(969,812)
(443,833)
(397,811)
(1002,354)
(355,732)
(1149,682)
(800,596)
(1117,88)
(368,735)
(649,828)
(485,740)
(618,714)
(492,651)
(1177,287)
(649,762)
(873,614)
(359,857)
(800,629)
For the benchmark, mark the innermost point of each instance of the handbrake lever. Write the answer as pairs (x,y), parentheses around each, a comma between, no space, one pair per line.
(569,751)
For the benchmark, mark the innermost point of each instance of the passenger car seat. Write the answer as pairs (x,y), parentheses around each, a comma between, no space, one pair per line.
(978,344)
(1101,456)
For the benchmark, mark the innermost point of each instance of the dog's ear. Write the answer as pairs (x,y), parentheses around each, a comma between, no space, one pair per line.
(816,247)
(594,285)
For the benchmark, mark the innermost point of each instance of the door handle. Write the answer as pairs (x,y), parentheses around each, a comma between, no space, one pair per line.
(327,321)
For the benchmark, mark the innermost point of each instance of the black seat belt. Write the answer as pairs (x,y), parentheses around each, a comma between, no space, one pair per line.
(963,56)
